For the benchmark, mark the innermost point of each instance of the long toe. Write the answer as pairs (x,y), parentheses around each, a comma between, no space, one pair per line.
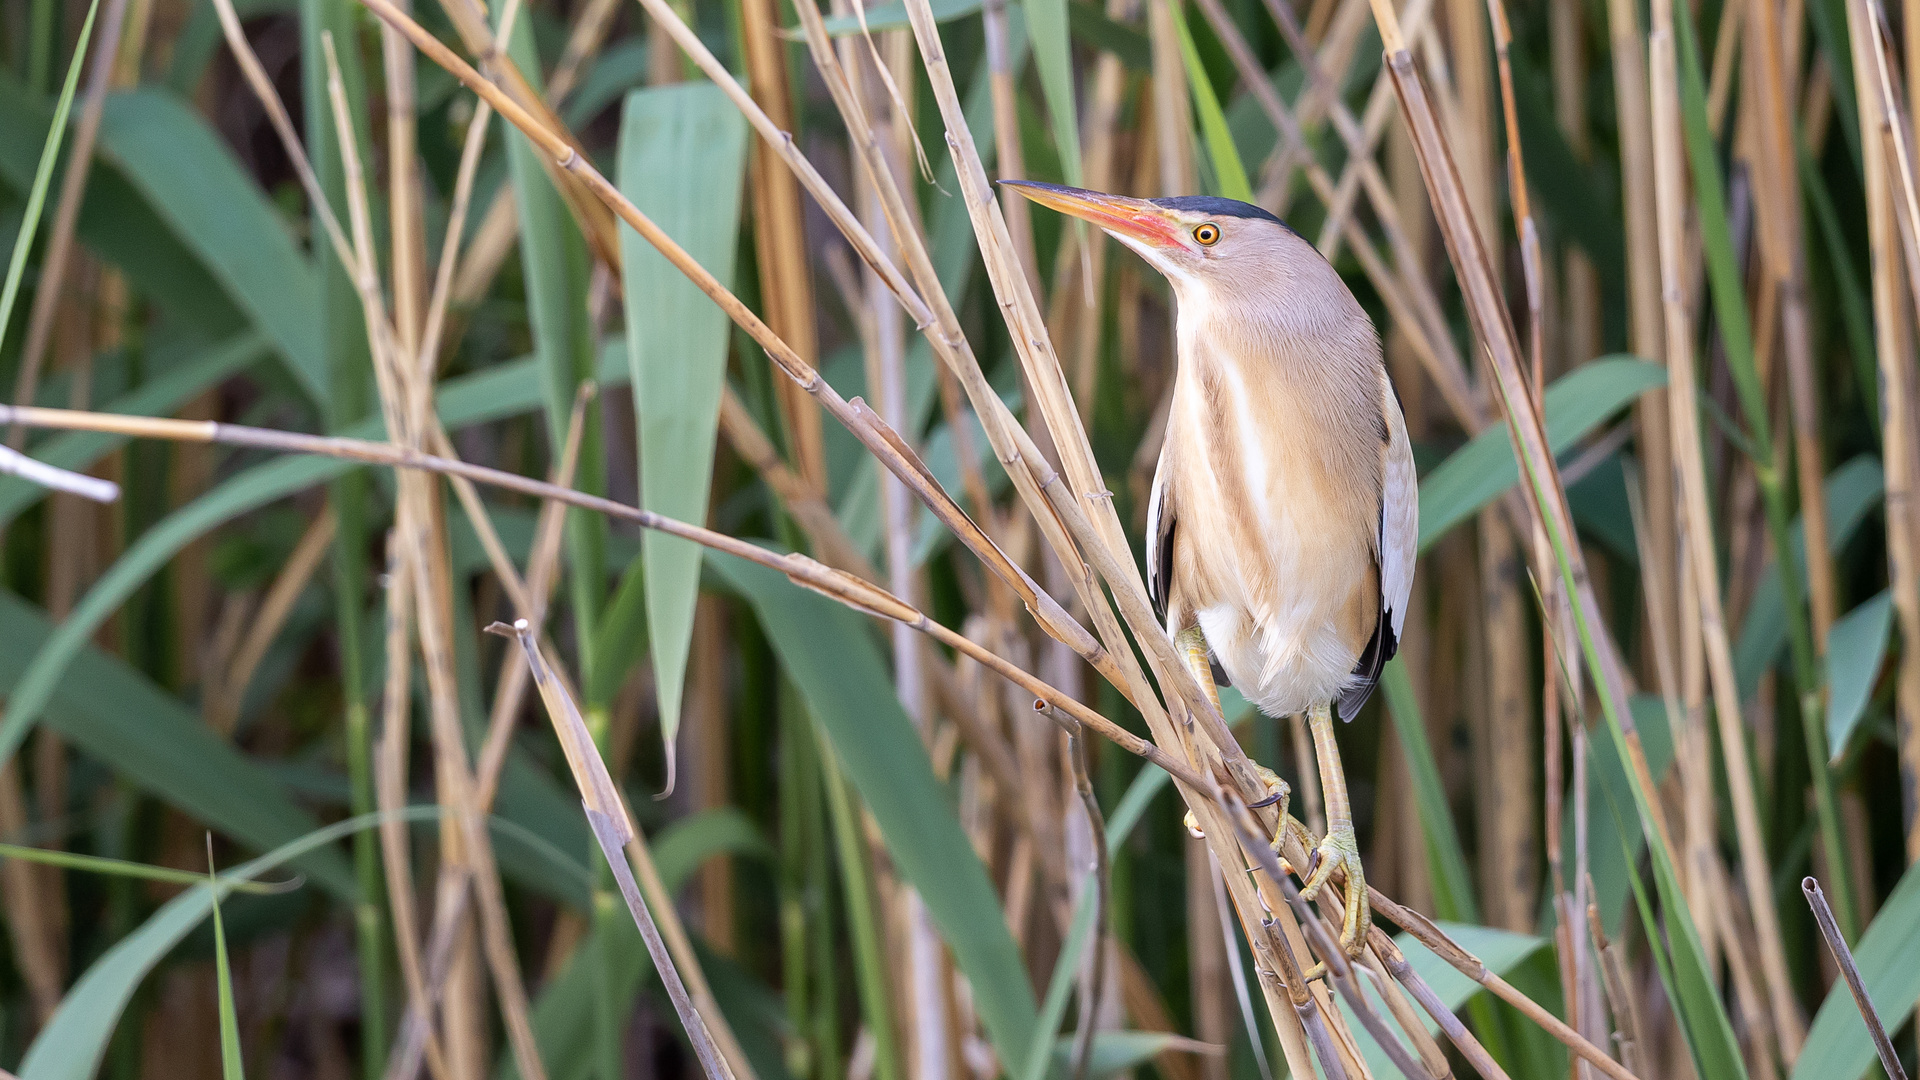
(1353,934)
(1322,866)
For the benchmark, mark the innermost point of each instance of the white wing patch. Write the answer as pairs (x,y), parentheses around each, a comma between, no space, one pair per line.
(1399,512)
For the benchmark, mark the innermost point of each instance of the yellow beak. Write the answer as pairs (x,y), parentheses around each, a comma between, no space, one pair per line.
(1124,217)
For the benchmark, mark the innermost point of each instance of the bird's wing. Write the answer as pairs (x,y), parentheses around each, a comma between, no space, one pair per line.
(1159,539)
(1398,541)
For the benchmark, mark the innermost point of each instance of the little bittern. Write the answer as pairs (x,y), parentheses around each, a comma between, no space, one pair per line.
(1281,527)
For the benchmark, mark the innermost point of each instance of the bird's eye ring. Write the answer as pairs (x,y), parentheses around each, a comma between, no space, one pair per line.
(1207,233)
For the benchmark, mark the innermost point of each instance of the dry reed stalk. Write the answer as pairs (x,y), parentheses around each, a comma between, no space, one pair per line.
(1468,114)
(1331,51)
(1099,535)
(584,40)
(1418,28)
(1746,988)
(1101,136)
(1488,315)
(614,831)
(1337,968)
(1580,285)
(467,847)
(469,20)
(543,573)
(1408,296)
(1696,526)
(92,488)
(1010,157)
(779,238)
(222,701)
(1726,45)
(1172,131)
(1467,964)
(1209,937)
(1622,1000)
(1782,247)
(1051,616)
(1402,972)
(1892,330)
(1288,997)
(808,507)
(1432,1058)
(931,1041)
(1094,980)
(1504,726)
(1653,434)
(462,1034)
(390,791)
(711,775)
(445,281)
(1843,958)
(1504,733)
(406,225)
(804,571)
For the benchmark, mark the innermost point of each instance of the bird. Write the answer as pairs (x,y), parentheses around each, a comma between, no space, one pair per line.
(1283,517)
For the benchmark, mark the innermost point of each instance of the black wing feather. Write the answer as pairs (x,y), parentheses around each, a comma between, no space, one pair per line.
(1380,648)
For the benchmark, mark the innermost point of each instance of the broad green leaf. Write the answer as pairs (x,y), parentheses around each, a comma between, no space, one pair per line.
(1453,884)
(683,152)
(78,450)
(830,654)
(1607,780)
(1576,403)
(1837,1047)
(1228,172)
(186,172)
(1853,490)
(74,1041)
(894,17)
(116,222)
(1855,647)
(506,390)
(619,68)
(117,716)
(1115,1051)
(1501,950)
(555,270)
(1053,59)
(43,174)
(622,634)
(563,1014)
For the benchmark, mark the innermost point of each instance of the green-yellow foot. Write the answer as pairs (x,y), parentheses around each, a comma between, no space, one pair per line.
(1339,849)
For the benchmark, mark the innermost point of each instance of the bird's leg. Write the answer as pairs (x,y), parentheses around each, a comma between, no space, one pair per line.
(1339,848)
(1193,647)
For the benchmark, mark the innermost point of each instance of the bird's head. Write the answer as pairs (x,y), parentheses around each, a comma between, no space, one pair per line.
(1207,247)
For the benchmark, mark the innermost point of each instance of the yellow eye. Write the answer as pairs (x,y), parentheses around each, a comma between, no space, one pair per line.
(1207,233)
